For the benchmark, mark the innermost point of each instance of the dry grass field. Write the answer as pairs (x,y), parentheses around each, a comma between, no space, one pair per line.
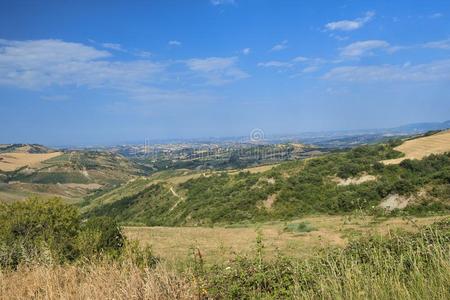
(422,147)
(253,170)
(13,161)
(221,243)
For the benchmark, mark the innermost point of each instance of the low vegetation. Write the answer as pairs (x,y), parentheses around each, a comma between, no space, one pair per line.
(402,265)
(49,231)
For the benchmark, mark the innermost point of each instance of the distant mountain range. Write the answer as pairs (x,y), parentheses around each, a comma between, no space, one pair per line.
(420,127)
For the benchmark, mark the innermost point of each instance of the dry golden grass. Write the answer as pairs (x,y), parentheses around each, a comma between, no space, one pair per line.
(94,281)
(422,147)
(221,243)
(252,170)
(13,161)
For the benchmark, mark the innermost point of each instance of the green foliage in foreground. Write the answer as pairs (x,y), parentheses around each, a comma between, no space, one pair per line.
(401,266)
(297,188)
(49,230)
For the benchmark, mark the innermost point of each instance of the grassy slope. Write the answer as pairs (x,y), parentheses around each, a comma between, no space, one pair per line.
(57,175)
(419,148)
(294,189)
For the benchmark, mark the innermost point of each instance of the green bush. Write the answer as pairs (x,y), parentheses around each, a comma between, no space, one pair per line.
(100,235)
(299,227)
(36,228)
(50,231)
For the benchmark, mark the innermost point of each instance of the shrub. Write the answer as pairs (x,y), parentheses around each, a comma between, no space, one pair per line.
(100,235)
(299,227)
(48,230)
(36,228)
(348,170)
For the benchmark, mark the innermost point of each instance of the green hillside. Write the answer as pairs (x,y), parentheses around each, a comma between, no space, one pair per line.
(335,183)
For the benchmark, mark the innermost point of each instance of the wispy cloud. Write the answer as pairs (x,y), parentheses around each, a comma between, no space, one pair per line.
(40,63)
(217,70)
(246,51)
(436,16)
(310,69)
(113,46)
(349,25)
(55,98)
(363,48)
(433,71)
(307,64)
(275,63)
(174,43)
(47,64)
(442,44)
(281,46)
(143,54)
(300,59)
(222,2)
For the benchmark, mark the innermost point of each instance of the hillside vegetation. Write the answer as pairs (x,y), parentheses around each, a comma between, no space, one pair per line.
(293,189)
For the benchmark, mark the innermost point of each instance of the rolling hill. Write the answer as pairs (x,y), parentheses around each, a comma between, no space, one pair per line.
(34,169)
(290,190)
(421,147)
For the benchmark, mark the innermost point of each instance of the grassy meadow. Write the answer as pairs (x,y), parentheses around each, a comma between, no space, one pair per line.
(407,265)
(300,238)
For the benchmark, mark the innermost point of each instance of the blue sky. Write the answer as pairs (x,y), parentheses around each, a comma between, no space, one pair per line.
(95,72)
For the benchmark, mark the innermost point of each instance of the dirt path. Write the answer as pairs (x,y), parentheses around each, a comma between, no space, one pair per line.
(180,199)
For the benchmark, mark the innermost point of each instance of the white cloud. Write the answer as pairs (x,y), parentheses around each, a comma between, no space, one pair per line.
(42,63)
(174,43)
(55,97)
(217,70)
(113,46)
(49,65)
(143,54)
(310,69)
(443,44)
(246,51)
(349,25)
(300,59)
(45,64)
(222,2)
(358,49)
(280,46)
(436,16)
(433,71)
(275,64)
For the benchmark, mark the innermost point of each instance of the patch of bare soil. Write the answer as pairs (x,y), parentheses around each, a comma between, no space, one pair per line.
(270,201)
(396,201)
(353,180)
